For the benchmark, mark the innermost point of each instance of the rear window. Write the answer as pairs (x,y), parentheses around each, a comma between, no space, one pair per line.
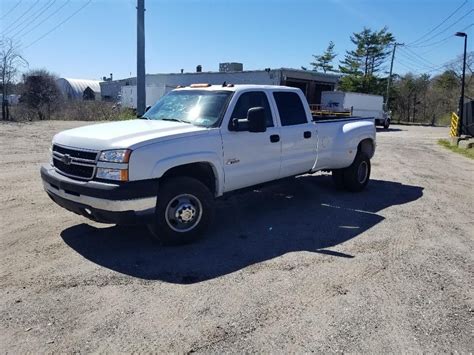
(290,108)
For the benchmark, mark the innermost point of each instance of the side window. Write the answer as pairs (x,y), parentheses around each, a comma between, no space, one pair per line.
(290,108)
(252,99)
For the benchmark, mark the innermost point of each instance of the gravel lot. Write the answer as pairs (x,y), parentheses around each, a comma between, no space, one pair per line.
(296,267)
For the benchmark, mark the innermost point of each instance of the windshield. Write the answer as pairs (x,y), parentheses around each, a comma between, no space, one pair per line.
(197,107)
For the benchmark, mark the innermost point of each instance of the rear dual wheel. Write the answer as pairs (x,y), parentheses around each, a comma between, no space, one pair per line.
(355,177)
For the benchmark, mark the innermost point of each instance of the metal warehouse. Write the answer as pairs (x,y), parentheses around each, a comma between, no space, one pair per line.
(310,82)
(79,89)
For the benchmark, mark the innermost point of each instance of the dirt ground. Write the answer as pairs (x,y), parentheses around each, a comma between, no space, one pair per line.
(295,267)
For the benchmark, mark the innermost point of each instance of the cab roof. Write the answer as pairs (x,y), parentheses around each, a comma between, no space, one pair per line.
(235,88)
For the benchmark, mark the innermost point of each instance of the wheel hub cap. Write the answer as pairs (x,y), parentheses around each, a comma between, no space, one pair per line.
(185,213)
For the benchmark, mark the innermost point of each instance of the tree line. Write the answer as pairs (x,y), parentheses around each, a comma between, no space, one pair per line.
(421,98)
(413,97)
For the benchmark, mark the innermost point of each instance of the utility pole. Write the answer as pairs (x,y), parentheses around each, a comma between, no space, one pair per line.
(461,99)
(141,92)
(414,108)
(4,88)
(389,81)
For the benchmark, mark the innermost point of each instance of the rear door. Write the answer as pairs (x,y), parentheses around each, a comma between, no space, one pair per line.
(299,138)
(250,158)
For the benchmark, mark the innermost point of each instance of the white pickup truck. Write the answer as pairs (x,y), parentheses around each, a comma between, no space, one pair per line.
(194,145)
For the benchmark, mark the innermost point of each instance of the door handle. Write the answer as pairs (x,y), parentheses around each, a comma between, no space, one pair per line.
(274,138)
(307,134)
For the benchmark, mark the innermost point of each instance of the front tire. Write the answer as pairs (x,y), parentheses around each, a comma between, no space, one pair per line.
(386,124)
(356,176)
(184,210)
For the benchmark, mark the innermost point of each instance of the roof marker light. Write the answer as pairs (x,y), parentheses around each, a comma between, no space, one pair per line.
(200,85)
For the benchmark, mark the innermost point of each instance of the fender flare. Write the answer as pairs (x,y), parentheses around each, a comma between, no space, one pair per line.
(211,158)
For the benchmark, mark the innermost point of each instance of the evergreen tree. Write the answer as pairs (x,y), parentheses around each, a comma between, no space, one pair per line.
(324,61)
(363,64)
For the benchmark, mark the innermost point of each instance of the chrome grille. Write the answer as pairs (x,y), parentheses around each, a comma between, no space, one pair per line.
(73,162)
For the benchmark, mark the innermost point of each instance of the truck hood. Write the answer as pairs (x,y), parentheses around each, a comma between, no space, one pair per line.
(124,134)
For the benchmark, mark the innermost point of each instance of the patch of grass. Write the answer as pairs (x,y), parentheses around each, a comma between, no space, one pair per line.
(466,152)
(126,114)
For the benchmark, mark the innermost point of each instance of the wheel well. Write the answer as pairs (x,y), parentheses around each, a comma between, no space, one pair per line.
(199,171)
(367,146)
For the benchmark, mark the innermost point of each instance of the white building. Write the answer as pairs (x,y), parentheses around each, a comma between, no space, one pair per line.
(79,89)
(310,82)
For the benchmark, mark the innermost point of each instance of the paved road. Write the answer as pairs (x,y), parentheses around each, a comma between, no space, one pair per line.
(295,267)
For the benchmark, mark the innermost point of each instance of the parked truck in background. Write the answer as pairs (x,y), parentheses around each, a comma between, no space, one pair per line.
(194,145)
(357,104)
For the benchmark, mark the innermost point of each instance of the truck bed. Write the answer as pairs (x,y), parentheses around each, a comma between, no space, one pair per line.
(321,119)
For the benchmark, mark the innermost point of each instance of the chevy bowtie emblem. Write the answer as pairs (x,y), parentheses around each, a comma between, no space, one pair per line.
(66,159)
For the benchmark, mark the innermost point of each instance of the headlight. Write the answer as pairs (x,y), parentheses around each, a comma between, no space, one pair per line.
(115,156)
(112,174)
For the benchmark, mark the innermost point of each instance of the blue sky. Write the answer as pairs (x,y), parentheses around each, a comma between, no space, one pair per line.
(101,38)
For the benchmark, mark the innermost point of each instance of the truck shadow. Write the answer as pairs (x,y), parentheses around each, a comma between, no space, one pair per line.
(390,129)
(304,214)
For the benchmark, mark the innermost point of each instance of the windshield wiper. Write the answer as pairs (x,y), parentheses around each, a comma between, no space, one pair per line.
(175,120)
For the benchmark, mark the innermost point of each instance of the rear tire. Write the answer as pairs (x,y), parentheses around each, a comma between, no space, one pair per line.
(356,176)
(184,210)
(386,124)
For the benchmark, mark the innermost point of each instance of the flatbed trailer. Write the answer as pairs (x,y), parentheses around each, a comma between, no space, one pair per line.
(318,111)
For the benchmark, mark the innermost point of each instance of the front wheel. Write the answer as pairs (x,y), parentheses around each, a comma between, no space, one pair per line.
(386,124)
(356,176)
(184,209)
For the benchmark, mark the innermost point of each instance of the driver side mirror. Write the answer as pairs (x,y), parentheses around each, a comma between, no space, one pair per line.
(256,118)
(255,121)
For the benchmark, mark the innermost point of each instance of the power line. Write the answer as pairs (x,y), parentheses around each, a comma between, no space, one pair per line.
(25,20)
(418,56)
(444,30)
(411,68)
(26,12)
(440,43)
(406,66)
(440,24)
(58,25)
(415,63)
(46,18)
(415,60)
(435,43)
(29,22)
(11,10)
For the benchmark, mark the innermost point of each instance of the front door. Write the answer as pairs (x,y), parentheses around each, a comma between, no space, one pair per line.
(251,158)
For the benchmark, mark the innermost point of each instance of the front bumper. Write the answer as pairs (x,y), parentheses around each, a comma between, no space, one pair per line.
(119,203)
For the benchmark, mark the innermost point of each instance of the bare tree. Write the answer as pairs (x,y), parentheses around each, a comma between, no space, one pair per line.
(10,62)
(40,92)
(456,67)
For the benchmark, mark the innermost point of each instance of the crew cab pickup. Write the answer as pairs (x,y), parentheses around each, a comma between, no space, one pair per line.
(194,145)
